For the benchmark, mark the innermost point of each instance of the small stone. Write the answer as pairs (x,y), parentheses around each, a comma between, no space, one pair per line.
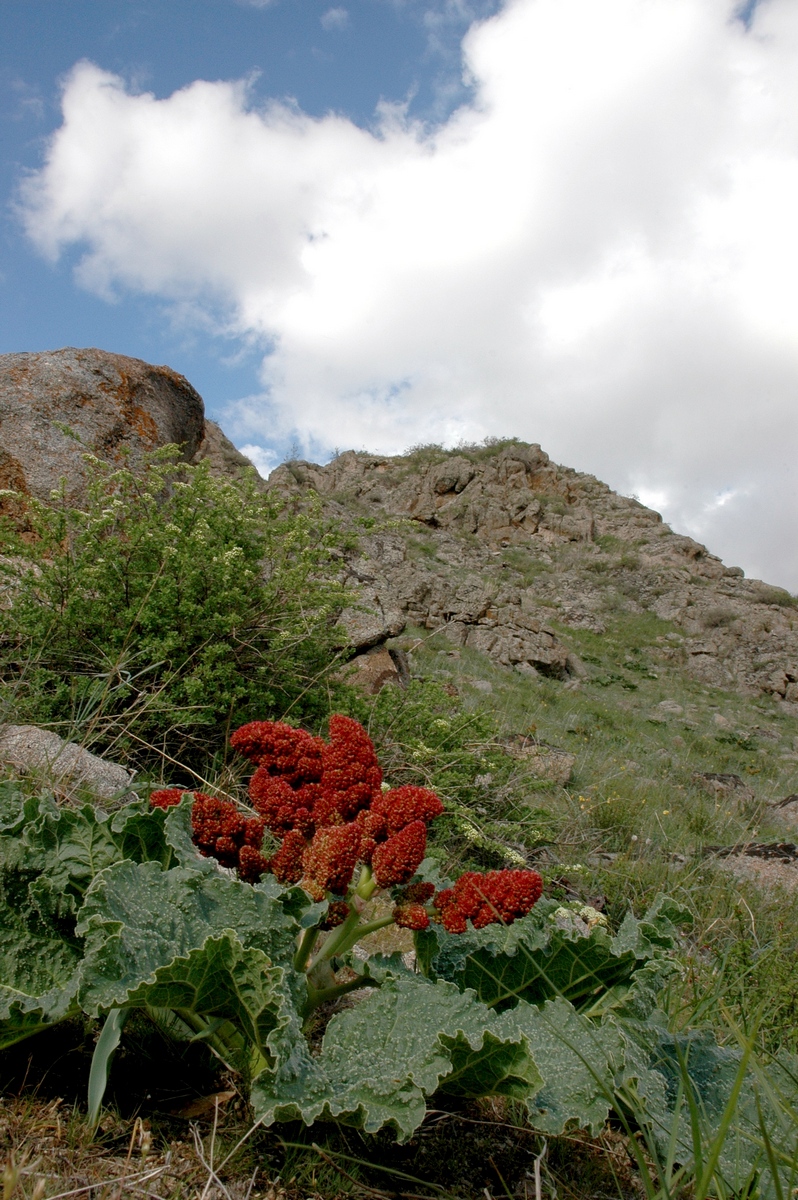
(483,685)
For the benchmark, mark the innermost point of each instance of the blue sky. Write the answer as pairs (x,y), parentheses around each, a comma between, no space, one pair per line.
(346,57)
(383,222)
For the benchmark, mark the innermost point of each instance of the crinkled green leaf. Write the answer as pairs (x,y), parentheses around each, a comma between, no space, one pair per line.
(577,1059)
(224,980)
(551,952)
(15,807)
(656,932)
(501,1066)
(137,918)
(38,968)
(69,847)
(382,966)
(178,837)
(139,831)
(383,1057)
(669,1080)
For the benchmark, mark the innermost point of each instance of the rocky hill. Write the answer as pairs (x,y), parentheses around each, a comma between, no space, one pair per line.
(495,546)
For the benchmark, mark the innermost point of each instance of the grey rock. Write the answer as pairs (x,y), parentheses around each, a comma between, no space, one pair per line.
(58,405)
(65,766)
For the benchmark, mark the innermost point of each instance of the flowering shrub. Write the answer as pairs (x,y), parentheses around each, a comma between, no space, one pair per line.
(168,604)
(327,805)
(180,903)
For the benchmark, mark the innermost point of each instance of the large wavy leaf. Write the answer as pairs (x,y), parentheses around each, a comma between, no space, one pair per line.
(222,980)
(38,968)
(578,1060)
(551,952)
(70,847)
(137,919)
(381,1058)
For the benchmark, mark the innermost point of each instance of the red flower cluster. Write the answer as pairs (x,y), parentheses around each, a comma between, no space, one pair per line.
(220,830)
(166,797)
(410,911)
(324,802)
(484,899)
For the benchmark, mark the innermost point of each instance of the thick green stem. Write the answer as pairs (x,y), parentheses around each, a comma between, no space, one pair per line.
(342,937)
(317,996)
(366,884)
(336,938)
(212,1037)
(361,931)
(306,944)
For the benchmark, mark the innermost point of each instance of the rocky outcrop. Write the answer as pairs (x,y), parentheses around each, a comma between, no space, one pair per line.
(497,547)
(491,545)
(57,405)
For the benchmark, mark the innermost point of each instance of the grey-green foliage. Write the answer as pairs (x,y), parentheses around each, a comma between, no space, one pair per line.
(547,954)
(170,605)
(552,1011)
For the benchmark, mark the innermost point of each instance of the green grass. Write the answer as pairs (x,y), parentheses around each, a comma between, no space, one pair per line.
(635,817)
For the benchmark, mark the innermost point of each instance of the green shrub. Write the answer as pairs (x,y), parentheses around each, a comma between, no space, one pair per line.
(172,604)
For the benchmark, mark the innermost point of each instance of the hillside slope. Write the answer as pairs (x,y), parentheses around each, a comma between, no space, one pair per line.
(505,552)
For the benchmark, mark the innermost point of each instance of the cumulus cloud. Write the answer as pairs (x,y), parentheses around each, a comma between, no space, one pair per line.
(598,252)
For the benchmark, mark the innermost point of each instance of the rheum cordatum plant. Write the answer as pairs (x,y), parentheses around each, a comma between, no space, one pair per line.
(344,836)
(245,928)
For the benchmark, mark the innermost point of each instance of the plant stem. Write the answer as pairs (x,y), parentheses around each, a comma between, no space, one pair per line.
(317,996)
(366,884)
(306,944)
(336,938)
(360,931)
(349,931)
(214,1040)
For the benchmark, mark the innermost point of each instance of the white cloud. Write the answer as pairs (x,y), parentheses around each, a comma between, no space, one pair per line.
(599,253)
(262,458)
(334,18)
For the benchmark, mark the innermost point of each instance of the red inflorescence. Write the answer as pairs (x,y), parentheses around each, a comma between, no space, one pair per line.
(416,893)
(373,830)
(403,805)
(411,916)
(352,775)
(281,806)
(325,804)
(398,859)
(251,864)
(286,866)
(497,896)
(336,914)
(329,862)
(292,754)
(220,830)
(166,797)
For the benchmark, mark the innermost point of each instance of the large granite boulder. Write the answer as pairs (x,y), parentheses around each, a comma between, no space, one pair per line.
(56,405)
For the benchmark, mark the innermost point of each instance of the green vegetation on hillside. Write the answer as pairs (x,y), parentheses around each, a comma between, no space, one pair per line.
(171,607)
(177,606)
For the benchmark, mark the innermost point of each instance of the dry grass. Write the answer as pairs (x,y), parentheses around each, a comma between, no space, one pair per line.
(483,1151)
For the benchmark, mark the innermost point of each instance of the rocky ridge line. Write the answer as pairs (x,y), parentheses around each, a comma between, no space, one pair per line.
(489,545)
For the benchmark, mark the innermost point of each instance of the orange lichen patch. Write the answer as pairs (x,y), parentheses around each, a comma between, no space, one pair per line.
(143,424)
(12,478)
